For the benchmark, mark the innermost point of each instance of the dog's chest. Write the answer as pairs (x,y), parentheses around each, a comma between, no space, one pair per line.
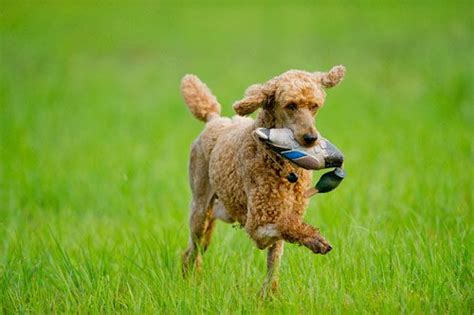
(270,182)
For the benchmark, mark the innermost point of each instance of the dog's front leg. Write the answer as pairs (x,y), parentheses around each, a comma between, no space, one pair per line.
(273,268)
(294,230)
(262,228)
(289,227)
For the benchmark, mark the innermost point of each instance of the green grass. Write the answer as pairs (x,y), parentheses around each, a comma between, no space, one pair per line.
(94,141)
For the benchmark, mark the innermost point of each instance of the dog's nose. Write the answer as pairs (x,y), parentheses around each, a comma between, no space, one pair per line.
(309,139)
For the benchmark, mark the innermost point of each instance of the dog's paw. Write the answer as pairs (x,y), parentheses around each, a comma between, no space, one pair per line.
(319,246)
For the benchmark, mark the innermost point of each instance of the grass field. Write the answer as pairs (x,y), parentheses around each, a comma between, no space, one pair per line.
(94,141)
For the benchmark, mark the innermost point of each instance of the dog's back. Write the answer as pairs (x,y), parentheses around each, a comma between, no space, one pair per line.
(215,153)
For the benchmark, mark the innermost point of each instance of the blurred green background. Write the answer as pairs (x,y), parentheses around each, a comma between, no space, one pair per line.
(94,141)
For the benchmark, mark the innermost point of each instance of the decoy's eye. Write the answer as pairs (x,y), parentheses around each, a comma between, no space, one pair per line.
(291,106)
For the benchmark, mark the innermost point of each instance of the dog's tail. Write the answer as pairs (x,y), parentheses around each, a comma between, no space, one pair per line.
(200,100)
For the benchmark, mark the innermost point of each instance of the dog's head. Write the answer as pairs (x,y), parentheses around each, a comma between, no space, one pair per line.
(291,100)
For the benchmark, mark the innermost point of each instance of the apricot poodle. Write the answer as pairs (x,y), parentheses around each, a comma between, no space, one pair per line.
(236,178)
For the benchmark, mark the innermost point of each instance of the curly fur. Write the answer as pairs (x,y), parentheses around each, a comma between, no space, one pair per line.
(235,178)
(202,103)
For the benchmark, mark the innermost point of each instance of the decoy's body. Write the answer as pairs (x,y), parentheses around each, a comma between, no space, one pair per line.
(320,156)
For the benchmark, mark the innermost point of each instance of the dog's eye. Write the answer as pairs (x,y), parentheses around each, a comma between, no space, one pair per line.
(291,106)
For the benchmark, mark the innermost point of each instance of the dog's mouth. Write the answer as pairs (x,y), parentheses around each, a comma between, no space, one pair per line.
(306,145)
(323,154)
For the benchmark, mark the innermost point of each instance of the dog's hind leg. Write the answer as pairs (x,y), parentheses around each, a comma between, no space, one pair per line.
(206,239)
(200,220)
(273,268)
(218,212)
(200,227)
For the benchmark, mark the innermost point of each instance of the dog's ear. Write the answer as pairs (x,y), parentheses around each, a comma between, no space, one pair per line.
(331,78)
(257,95)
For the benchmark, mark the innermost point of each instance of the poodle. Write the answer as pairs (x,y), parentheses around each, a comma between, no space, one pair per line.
(234,177)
